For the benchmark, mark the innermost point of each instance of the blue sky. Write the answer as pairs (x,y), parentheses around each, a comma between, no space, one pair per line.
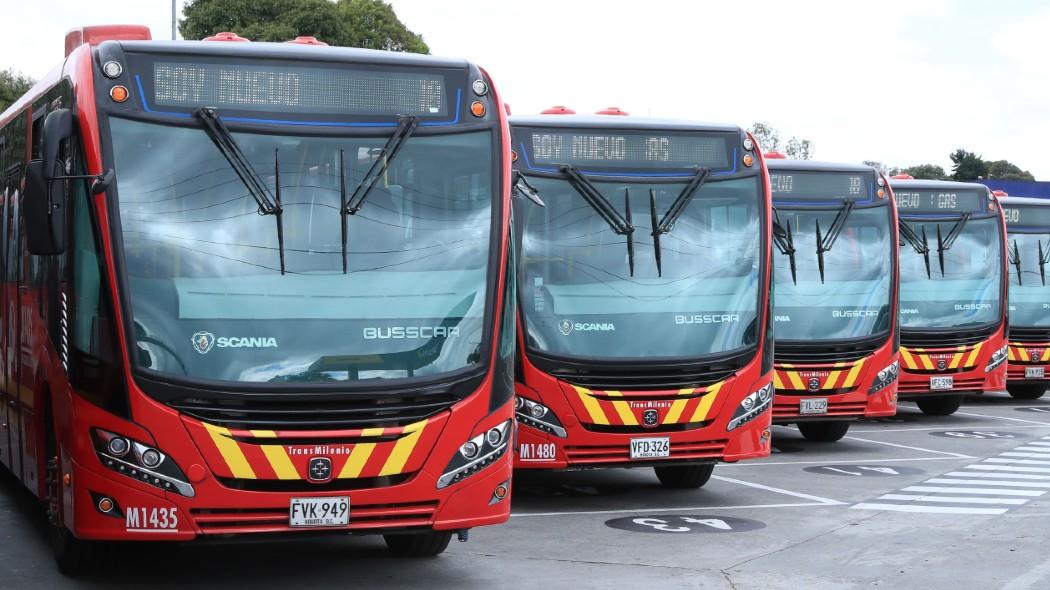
(903,82)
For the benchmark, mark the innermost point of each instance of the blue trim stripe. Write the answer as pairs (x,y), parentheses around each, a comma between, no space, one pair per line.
(453,121)
(528,164)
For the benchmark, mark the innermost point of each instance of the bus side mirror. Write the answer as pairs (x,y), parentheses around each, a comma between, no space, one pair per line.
(45,198)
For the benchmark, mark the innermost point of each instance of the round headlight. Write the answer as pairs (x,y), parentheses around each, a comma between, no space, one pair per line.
(519,403)
(151,458)
(748,144)
(112,69)
(469,450)
(494,436)
(763,394)
(480,87)
(118,446)
(748,403)
(537,410)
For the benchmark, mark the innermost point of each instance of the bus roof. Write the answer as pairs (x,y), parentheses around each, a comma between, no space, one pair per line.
(898,183)
(613,122)
(815,166)
(1038,202)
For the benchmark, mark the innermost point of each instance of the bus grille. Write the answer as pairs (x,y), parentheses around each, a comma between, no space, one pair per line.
(364,517)
(810,353)
(633,378)
(974,384)
(299,414)
(842,409)
(942,340)
(1029,334)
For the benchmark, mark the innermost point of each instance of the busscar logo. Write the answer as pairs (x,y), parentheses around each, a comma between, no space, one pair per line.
(565,326)
(203,342)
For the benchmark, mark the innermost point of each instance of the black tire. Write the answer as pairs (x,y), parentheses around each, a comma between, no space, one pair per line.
(684,477)
(941,405)
(1026,390)
(828,432)
(74,557)
(427,544)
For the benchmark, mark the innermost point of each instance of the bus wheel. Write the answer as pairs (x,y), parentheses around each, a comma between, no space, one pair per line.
(684,477)
(1026,391)
(941,405)
(74,557)
(426,544)
(830,431)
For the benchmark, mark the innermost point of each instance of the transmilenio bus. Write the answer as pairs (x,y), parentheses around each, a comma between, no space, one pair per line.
(1028,256)
(835,309)
(256,288)
(953,292)
(645,331)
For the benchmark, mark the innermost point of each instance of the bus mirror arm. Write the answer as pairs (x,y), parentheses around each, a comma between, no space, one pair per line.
(523,188)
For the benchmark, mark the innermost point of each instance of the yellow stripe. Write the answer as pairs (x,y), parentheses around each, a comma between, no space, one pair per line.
(592,406)
(1023,352)
(280,462)
(623,409)
(676,408)
(909,361)
(263,433)
(230,451)
(777,383)
(829,383)
(973,355)
(927,362)
(1010,354)
(356,461)
(851,378)
(705,403)
(796,382)
(1046,354)
(372,432)
(395,463)
(956,359)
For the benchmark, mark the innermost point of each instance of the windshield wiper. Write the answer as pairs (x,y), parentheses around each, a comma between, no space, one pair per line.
(785,242)
(227,146)
(618,223)
(824,244)
(673,212)
(350,206)
(1015,259)
(1044,259)
(945,244)
(921,247)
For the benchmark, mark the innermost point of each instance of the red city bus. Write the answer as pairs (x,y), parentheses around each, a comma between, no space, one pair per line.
(1028,255)
(644,295)
(835,309)
(256,288)
(953,292)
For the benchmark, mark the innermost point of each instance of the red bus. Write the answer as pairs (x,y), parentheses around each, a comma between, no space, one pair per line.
(835,309)
(256,288)
(1028,255)
(644,295)
(953,292)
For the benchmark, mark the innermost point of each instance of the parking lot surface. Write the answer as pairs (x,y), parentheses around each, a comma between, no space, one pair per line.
(907,502)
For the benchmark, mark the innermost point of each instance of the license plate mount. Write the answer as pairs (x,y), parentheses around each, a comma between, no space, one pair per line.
(650,447)
(813,405)
(319,512)
(942,382)
(1034,372)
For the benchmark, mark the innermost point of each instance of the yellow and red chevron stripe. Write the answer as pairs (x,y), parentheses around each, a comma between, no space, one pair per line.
(261,454)
(922,359)
(789,377)
(610,407)
(1023,353)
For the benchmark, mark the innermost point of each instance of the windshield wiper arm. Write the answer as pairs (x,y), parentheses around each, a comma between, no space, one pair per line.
(920,246)
(946,244)
(785,242)
(825,243)
(350,206)
(227,146)
(673,212)
(1044,259)
(1015,259)
(618,223)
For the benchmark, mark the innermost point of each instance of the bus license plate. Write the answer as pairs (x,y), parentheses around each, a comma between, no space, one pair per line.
(942,382)
(319,512)
(1034,372)
(813,405)
(650,448)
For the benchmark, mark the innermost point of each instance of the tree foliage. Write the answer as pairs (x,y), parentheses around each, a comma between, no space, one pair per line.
(926,172)
(12,86)
(881,167)
(371,24)
(967,165)
(768,138)
(1003,170)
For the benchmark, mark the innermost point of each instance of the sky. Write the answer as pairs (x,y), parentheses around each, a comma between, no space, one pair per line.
(896,81)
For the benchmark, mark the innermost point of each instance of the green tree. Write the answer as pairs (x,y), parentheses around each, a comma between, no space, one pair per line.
(926,172)
(799,149)
(371,24)
(12,86)
(768,138)
(884,168)
(967,165)
(1003,170)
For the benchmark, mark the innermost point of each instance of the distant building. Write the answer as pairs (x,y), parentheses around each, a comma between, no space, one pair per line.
(1020,188)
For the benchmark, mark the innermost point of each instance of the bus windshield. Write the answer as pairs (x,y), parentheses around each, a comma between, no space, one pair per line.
(967,294)
(1029,298)
(579,295)
(852,300)
(203,269)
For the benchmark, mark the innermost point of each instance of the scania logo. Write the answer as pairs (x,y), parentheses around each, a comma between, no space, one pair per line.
(650,418)
(565,326)
(814,384)
(942,364)
(203,342)
(320,469)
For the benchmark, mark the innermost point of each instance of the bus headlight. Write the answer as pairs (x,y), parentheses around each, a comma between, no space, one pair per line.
(140,461)
(885,377)
(538,416)
(752,407)
(998,358)
(476,454)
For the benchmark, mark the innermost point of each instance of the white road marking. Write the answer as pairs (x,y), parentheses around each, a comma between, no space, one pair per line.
(759,486)
(920,449)
(1003,418)
(1037,443)
(1034,448)
(954,499)
(1017,461)
(1029,455)
(991,482)
(996,473)
(992,491)
(1009,468)
(825,462)
(928,509)
(666,509)
(998,427)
